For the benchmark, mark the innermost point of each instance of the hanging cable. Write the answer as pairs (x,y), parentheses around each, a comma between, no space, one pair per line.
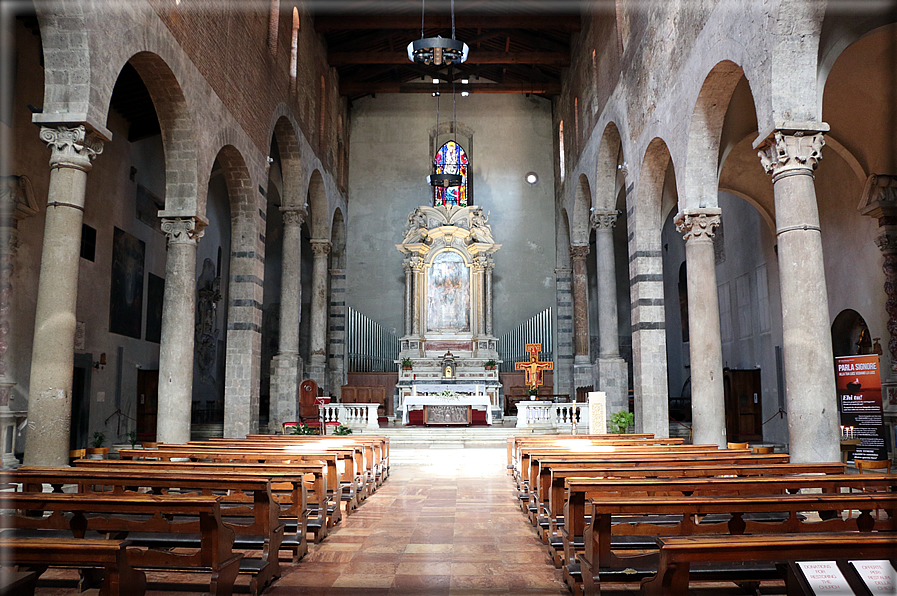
(453,19)
(422,5)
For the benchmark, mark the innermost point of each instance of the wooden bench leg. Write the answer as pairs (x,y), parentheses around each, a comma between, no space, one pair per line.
(123,580)
(223,578)
(674,582)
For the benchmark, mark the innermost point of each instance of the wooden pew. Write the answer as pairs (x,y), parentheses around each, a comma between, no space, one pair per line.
(379,443)
(248,505)
(678,553)
(516,439)
(554,492)
(119,578)
(109,514)
(598,561)
(287,487)
(332,459)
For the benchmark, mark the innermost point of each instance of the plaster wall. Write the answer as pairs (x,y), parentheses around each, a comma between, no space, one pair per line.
(389,162)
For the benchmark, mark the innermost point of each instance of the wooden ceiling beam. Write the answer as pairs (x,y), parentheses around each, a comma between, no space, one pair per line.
(479,57)
(328,23)
(353,88)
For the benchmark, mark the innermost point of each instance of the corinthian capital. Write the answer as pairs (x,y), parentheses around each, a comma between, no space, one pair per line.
(71,147)
(579,251)
(887,243)
(183,230)
(604,219)
(293,215)
(698,224)
(879,198)
(320,248)
(790,153)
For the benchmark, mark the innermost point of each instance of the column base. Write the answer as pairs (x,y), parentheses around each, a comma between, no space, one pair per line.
(286,370)
(611,375)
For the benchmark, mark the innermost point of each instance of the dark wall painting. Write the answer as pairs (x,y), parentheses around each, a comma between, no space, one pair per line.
(155,292)
(126,294)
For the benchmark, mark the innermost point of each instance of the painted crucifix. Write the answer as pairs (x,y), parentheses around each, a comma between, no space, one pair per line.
(534,367)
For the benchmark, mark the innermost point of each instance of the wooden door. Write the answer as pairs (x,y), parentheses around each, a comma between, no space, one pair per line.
(147,404)
(744,414)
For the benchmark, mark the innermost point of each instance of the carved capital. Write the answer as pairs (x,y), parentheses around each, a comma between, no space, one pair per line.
(17,196)
(293,215)
(788,154)
(579,251)
(698,224)
(183,230)
(320,248)
(71,147)
(604,219)
(879,199)
(887,243)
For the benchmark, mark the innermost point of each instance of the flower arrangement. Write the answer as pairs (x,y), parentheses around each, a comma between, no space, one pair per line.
(622,420)
(449,394)
(342,430)
(304,429)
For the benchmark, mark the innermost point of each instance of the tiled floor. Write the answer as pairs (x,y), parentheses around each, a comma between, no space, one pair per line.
(444,523)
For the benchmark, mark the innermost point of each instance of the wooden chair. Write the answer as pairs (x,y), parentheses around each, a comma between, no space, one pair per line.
(873,465)
(737,445)
(309,412)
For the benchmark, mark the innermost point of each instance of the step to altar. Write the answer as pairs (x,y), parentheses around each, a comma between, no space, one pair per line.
(442,437)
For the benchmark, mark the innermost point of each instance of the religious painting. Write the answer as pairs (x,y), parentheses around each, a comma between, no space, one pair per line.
(448,293)
(155,293)
(451,159)
(126,294)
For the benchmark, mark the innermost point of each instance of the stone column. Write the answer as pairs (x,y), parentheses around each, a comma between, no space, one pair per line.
(318,353)
(337,323)
(417,266)
(563,354)
(490,266)
(582,368)
(178,320)
(880,202)
(49,401)
(791,156)
(479,268)
(708,408)
(287,364)
(612,371)
(409,294)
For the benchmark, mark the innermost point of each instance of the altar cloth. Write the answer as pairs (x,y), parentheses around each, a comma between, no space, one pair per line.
(437,400)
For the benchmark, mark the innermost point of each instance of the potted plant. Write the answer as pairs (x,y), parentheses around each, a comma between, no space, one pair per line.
(132,437)
(622,420)
(304,429)
(533,392)
(96,449)
(490,365)
(342,430)
(406,363)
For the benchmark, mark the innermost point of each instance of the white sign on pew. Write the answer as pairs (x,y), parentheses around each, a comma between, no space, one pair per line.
(824,577)
(879,576)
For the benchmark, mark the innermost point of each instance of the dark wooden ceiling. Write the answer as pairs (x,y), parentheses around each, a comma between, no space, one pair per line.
(516,46)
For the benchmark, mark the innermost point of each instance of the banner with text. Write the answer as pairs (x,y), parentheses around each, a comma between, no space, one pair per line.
(859,399)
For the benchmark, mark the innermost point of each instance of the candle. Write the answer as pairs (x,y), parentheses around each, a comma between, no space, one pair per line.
(414,391)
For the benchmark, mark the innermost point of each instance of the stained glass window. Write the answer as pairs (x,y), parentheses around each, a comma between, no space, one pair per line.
(451,159)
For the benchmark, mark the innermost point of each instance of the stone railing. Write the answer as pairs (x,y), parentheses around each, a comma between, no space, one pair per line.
(546,415)
(355,416)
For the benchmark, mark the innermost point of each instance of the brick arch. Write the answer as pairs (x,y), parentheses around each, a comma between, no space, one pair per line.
(610,155)
(317,206)
(284,132)
(701,179)
(178,131)
(582,201)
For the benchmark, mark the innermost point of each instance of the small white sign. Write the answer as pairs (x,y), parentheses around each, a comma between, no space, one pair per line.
(879,576)
(101,396)
(824,577)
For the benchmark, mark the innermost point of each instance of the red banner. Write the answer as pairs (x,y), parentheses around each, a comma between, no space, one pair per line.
(859,399)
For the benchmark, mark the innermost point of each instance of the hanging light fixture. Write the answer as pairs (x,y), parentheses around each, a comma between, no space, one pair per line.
(437,50)
(443,179)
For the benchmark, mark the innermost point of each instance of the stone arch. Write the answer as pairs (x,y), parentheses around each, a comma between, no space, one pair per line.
(648,198)
(582,201)
(67,77)
(610,156)
(338,240)
(704,132)
(850,334)
(243,344)
(318,213)
(178,133)
(284,132)
(793,58)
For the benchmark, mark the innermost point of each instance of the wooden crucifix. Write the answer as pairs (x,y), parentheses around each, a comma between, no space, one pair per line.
(534,367)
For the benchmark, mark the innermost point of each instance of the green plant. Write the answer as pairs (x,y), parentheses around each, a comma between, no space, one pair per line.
(406,362)
(132,437)
(532,391)
(622,420)
(490,364)
(98,440)
(303,429)
(342,430)
(449,394)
